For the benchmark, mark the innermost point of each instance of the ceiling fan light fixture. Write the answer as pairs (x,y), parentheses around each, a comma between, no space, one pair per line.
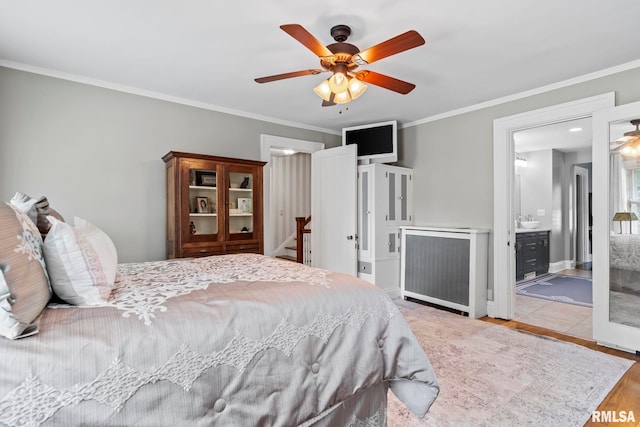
(631,149)
(339,82)
(323,90)
(356,88)
(342,97)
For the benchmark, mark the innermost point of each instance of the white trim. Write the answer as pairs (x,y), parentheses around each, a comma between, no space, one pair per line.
(579,211)
(157,95)
(503,178)
(267,142)
(537,91)
(555,267)
(393,293)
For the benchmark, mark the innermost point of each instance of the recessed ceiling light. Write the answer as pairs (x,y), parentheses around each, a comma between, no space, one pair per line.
(575,129)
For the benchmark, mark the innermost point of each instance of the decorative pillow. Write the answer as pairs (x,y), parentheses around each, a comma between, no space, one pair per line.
(44,210)
(26,204)
(24,285)
(37,210)
(81,261)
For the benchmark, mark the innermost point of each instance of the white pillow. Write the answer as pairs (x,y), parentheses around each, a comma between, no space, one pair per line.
(81,262)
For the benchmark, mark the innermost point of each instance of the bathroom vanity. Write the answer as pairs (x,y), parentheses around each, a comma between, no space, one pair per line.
(532,252)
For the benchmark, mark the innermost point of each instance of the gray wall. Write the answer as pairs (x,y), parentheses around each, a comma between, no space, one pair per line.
(96,153)
(453,157)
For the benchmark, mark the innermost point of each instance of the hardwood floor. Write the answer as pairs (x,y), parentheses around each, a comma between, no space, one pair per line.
(625,396)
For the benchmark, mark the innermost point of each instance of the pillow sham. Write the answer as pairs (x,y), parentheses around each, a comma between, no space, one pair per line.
(24,285)
(37,210)
(81,261)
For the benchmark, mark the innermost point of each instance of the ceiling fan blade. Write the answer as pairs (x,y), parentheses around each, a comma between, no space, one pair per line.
(330,102)
(397,44)
(386,82)
(306,38)
(288,75)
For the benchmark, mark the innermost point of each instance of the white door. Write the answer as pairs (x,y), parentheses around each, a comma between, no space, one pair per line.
(616,279)
(334,209)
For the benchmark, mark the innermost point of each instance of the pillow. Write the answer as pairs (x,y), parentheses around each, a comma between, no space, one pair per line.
(44,210)
(26,204)
(81,261)
(24,285)
(37,210)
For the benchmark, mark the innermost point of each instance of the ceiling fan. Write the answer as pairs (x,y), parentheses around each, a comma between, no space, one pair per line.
(342,59)
(629,144)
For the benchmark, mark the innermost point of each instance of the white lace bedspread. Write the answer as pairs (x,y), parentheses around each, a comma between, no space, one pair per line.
(236,340)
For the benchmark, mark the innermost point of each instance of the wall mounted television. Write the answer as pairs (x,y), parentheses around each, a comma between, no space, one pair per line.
(377,142)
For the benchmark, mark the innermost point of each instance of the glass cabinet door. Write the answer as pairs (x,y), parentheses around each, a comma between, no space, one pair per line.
(241,224)
(203,202)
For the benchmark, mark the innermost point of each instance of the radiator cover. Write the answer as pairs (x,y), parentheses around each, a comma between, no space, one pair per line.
(445,266)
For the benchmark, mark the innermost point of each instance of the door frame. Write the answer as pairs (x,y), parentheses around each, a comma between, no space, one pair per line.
(267,142)
(503,304)
(580,206)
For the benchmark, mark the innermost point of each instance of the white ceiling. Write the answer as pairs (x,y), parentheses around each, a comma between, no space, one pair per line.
(207,53)
(557,136)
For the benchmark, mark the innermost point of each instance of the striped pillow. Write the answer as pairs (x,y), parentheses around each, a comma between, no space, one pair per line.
(24,284)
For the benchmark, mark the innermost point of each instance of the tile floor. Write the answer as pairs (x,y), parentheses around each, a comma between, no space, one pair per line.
(570,319)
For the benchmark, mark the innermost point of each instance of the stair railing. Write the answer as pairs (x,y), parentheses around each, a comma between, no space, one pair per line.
(303,237)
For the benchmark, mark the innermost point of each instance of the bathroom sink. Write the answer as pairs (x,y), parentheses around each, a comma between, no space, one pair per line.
(529,224)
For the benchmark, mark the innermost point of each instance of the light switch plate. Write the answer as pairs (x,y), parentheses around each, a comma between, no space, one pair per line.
(541,212)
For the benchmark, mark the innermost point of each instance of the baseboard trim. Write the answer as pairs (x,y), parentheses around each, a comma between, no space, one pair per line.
(393,293)
(555,267)
(491,309)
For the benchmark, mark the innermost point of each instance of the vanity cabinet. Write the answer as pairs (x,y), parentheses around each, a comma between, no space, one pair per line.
(214,205)
(532,253)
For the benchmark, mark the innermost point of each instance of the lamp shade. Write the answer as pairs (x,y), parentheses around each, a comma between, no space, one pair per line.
(625,216)
(356,88)
(323,90)
(342,97)
(338,82)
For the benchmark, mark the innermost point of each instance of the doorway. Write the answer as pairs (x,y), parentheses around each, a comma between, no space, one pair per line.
(550,190)
(503,304)
(269,143)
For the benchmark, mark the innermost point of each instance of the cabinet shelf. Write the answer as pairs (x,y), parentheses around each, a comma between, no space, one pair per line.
(241,214)
(202,214)
(248,190)
(202,187)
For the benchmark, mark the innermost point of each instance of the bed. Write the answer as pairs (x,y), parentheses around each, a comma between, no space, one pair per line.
(624,263)
(237,340)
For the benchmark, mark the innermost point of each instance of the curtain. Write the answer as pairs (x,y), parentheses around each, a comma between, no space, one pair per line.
(618,194)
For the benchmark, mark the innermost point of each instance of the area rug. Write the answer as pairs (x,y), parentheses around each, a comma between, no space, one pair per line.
(555,287)
(491,375)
